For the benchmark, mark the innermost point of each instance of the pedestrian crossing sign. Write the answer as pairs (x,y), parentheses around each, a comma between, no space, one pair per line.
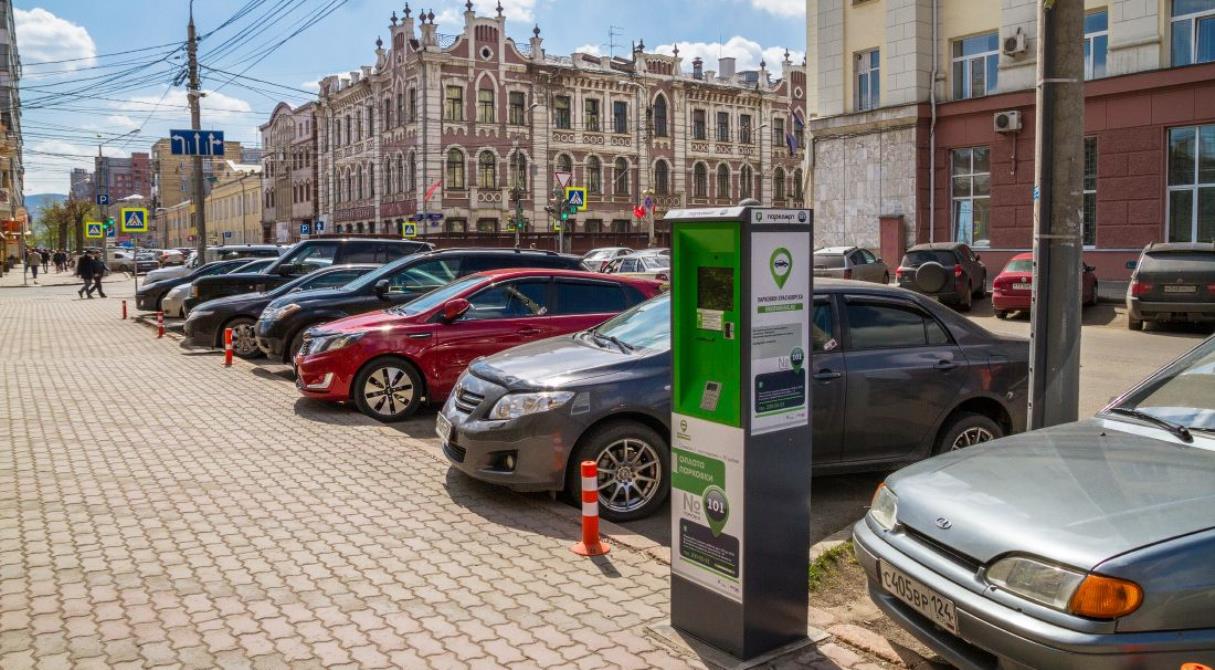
(94,230)
(576,197)
(409,230)
(134,220)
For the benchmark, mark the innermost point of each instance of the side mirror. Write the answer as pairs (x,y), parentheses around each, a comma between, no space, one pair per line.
(381,288)
(286,269)
(454,309)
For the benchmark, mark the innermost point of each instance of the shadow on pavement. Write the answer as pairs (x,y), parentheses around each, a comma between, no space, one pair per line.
(499,505)
(284,375)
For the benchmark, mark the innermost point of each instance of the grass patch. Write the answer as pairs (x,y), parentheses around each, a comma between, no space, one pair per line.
(830,562)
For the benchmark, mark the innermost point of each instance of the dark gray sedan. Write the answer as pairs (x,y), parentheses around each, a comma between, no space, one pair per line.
(1087,545)
(898,377)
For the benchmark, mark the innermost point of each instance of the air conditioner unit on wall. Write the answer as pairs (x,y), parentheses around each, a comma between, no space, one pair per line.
(1007,122)
(1015,45)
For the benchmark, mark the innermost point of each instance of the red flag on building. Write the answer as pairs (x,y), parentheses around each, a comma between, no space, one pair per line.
(430,191)
(639,212)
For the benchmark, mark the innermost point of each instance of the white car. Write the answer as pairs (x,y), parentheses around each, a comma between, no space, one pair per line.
(174,302)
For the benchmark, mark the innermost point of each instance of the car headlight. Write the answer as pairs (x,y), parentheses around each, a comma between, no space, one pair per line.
(885,507)
(1065,589)
(284,311)
(194,291)
(333,342)
(515,405)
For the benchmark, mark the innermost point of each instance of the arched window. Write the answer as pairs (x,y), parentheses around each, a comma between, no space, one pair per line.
(660,116)
(662,178)
(387,116)
(349,185)
(518,166)
(359,182)
(485,105)
(487,170)
(348,136)
(370,180)
(413,173)
(778,184)
(723,181)
(400,173)
(700,181)
(388,182)
(594,175)
(358,126)
(620,178)
(455,169)
(744,182)
(565,163)
(797,184)
(358,227)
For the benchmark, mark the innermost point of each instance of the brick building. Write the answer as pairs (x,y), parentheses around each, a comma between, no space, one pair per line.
(482,119)
(123,177)
(896,155)
(288,172)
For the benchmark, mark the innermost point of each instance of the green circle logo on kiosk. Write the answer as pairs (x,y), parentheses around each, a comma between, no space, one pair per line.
(797,357)
(717,508)
(781,264)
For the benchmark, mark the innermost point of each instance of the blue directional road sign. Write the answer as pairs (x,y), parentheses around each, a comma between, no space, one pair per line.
(196,142)
(134,220)
(306,228)
(227,234)
(103,198)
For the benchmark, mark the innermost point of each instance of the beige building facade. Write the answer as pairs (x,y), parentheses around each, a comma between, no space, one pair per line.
(289,182)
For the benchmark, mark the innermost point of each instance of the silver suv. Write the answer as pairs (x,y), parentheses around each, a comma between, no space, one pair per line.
(851,263)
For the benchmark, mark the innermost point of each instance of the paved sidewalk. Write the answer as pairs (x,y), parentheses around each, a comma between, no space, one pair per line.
(159,510)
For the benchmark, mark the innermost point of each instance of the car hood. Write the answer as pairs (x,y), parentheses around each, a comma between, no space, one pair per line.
(376,320)
(1078,494)
(313,297)
(234,302)
(553,363)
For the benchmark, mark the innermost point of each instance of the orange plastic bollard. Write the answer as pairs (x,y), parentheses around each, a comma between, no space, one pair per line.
(227,347)
(590,544)
(124,310)
(160,324)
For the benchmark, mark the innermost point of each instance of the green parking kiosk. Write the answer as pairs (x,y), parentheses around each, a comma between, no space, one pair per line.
(741,295)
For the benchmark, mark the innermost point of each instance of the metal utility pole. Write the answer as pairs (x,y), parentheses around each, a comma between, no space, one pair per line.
(1054,372)
(193,93)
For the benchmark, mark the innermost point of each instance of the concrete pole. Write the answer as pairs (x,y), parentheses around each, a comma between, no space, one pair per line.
(196,124)
(1054,373)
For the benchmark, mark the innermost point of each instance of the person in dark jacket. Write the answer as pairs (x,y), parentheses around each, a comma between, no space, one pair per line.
(91,271)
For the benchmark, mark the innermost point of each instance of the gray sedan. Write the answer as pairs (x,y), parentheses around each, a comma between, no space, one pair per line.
(1086,545)
(897,378)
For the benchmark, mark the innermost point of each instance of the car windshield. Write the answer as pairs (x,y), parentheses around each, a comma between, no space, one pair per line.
(601,254)
(645,327)
(436,297)
(1022,265)
(382,272)
(656,262)
(1178,260)
(915,259)
(1183,393)
(254,266)
(828,261)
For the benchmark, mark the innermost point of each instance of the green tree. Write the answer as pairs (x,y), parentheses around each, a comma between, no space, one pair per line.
(67,220)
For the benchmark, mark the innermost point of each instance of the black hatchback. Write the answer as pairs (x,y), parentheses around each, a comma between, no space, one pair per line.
(1172,282)
(280,330)
(951,272)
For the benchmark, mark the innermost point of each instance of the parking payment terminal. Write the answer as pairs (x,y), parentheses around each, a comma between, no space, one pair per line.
(741,294)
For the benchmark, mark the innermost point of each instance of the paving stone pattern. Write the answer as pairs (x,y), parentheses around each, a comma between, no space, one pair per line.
(159,510)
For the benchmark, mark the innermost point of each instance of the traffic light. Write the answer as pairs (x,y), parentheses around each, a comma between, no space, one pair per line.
(109,224)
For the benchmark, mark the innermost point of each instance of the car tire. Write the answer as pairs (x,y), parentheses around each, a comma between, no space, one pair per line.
(965,303)
(388,389)
(647,456)
(886,279)
(967,429)
(980,291)
(244,337)
(293,348)
(1134,324)
(1093,299)
(1001,314)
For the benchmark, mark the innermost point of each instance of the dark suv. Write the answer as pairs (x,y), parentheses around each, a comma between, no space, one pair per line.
(948,271)
(280,330)
(1172,282)
(303,258)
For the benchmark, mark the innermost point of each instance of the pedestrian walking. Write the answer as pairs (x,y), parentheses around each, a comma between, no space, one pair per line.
(91,271)
(46,260)
(33,260)
(60,260)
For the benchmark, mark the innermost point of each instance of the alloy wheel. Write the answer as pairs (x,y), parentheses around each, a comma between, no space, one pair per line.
(244,340)
(970,437)
(388,391)
(630,474)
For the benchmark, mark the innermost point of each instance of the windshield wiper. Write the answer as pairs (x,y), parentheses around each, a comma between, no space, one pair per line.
(1177,429)
(613,339)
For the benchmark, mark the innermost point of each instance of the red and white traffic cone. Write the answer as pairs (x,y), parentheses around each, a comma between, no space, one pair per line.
(590,544)
(124,310)
(227,347)
(160,324)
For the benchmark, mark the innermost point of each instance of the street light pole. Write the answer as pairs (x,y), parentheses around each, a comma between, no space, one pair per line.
(193,93)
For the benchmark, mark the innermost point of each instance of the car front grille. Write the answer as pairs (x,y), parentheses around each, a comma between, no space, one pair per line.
(948,553)
(467,401)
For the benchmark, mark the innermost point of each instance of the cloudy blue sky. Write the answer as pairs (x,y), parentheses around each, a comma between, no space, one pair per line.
(107,68)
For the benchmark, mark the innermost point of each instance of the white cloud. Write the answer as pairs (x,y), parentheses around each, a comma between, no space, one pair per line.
(781,7)
(48,163)
(120,122)
(590,49)
(215,106)
(315,84)
(43,36)
(747,54)
(450,17)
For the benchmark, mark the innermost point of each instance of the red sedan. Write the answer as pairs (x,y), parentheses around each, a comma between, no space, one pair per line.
(1013,287)
(389,362)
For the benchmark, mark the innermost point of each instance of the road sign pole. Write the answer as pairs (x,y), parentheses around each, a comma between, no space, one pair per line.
(200,203)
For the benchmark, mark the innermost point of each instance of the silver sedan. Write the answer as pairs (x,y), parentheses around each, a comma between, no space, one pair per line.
(1085,545)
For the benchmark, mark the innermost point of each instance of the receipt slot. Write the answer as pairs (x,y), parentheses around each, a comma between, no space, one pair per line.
(741,294)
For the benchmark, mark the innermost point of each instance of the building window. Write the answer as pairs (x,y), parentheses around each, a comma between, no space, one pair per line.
(565,163)
(723,126)
(698,124)
(386,117)
(778,131)
(562,112)
(1090,192)
(797,184)
(1096,43)
(370,181)
(413,174)
(700,181)
(868,80)
(662,178)
(518,166)
(455,170)
(593,226)
(660,116)
(620,178)
(970,188)
(744,128)
(778,184)
(485,105)
(620,225)
(1192,184)
(518,105)
(456,226)
(400,109)
(745,181)
(723,181)
(620,117)
(487,170)
(360,183)
(594,175)
(413,105)
(975,60)
(1193,31)
(487,225)
(590,114)
(453,110)
(400,174)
